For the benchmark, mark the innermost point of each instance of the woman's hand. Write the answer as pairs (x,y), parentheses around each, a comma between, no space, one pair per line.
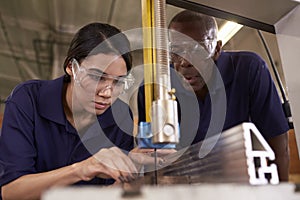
(108,163)
(147,156)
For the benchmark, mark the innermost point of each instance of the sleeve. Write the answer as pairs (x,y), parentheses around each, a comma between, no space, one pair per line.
(17,146)
(265,105)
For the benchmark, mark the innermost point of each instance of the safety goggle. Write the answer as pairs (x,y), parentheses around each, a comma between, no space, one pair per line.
(204,49)
(89,78)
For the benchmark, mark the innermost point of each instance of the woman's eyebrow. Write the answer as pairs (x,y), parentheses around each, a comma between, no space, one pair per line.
(97,70)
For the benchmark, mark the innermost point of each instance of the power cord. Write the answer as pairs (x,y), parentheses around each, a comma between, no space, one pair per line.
(285,105)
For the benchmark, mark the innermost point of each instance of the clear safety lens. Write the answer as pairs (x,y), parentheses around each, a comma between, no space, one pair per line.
(202,49)
(89,78)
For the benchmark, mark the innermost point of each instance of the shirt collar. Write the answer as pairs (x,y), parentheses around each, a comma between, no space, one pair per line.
(224,64)
(50,101)
(222,74)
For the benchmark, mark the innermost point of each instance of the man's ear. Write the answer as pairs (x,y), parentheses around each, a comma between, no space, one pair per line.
(219,46)
(218,49)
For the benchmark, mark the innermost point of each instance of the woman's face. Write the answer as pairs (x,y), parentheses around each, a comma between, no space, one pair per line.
(98,80)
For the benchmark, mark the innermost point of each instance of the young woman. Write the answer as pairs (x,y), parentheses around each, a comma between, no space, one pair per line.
(51,128)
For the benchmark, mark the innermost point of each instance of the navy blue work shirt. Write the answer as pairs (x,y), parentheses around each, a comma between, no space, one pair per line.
(251,96)
(36,136)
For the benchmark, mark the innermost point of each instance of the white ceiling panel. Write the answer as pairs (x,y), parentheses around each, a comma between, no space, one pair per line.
(266,11)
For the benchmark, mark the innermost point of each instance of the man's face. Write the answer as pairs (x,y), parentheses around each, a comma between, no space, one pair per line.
(191,52)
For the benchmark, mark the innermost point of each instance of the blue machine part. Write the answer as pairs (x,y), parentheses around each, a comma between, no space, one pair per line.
(144,138)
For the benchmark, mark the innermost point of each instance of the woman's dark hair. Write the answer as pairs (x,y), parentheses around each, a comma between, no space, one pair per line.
(98,38)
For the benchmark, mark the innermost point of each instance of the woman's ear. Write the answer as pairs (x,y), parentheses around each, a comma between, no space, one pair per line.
(69,69)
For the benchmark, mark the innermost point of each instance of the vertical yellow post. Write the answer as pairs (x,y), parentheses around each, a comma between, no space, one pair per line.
(159,97)
(148,52)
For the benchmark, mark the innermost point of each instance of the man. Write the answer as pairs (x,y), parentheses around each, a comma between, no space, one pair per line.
(240,82)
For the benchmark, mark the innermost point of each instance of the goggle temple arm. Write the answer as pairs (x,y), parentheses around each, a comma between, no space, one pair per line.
(75,70)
